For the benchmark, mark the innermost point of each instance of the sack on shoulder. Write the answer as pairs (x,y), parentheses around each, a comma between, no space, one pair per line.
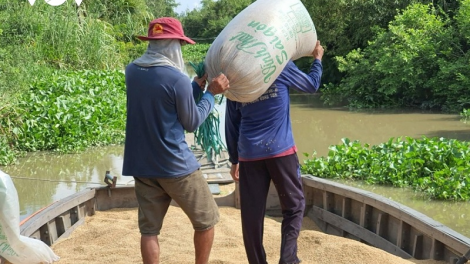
(256,45)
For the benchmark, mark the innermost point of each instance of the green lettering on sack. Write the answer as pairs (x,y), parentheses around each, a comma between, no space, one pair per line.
(249,44)
(295,21)
(271,31)
(268,71)
(268,32)
(2,235)
(253,24)
(283,57)
(6,250)
(304,22)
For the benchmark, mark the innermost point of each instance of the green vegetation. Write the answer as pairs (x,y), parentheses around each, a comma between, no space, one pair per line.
(97,35)
(420,60)
(197,52)
(62,87)
(437,167)
(70,111)
(465,114)
(61,81)
(379,54)
(205,24)
(65,112)
(41,39)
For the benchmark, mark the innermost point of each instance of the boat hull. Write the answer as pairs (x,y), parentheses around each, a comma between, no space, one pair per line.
(336,208)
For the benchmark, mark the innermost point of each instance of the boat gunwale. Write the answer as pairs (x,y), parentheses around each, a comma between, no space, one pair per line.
(43,216)
(451,240)
(399,211)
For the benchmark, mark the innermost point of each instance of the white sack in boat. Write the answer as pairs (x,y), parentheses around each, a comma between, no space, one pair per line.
(256,45)
(14,247)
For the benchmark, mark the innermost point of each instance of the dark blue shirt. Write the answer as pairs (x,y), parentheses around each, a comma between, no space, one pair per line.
(160,107)
(262,129)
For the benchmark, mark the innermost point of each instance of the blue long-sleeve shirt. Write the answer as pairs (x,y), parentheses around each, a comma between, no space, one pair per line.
(160,106)
(262,129)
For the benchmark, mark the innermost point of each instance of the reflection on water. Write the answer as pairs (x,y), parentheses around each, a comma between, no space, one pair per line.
(315,129)
(42,178)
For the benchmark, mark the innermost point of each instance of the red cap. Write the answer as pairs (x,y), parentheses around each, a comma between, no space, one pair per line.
(166,28)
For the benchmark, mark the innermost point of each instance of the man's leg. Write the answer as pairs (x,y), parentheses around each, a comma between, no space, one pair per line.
(153,205)
(254,186)
(203,244)
(285,173)
(193,195)
(150,249)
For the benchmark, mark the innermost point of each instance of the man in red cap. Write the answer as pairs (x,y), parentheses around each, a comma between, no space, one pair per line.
(160,107)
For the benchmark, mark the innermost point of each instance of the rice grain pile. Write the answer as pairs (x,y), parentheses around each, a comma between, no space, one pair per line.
(113,237)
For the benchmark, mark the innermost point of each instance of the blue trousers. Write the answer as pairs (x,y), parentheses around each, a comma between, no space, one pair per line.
(255,179)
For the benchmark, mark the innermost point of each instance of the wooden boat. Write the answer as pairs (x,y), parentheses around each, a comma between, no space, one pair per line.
(336,208)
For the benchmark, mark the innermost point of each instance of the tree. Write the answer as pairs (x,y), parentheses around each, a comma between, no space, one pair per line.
(206,23)
(399,66)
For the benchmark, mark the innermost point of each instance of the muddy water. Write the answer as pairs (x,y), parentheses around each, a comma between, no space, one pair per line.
(317,127)
(42,178)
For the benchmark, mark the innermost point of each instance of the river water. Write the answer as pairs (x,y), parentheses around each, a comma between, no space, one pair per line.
(42,178)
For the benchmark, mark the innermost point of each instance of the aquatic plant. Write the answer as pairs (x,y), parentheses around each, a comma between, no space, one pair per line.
(70,111)
(438,167)
(465,114)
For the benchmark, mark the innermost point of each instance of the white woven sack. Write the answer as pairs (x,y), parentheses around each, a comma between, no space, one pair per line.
(14,247)
(256,45)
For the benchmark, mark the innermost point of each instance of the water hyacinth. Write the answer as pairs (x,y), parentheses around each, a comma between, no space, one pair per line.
(438,167)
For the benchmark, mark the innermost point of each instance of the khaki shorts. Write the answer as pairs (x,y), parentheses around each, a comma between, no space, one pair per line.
(190,192)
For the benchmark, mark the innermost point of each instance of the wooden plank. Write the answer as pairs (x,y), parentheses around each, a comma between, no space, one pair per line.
(363,221)
(53,230)
(221,175)
(70,230)
(345,212)
(227,200)
(90,206)
(437,250)
(74,214)
(417,247)
(365,217)
(328,201)
(400,235)
(214,187)
(45,235)
(421,222)
(308,194)
(36,235)
(54,210)
(381,224)
(357,231)
(122,197)
(61,225)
